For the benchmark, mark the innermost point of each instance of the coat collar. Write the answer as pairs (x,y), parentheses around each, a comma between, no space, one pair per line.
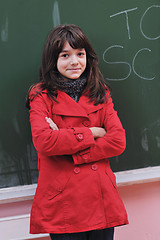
(67,106)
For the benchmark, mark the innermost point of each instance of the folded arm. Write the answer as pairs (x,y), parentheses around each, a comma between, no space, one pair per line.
(112,144)
(58,141)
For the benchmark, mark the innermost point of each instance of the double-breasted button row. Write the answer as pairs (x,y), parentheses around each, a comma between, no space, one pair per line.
(94,167)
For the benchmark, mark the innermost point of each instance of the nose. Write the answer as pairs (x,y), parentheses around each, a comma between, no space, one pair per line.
(74,60)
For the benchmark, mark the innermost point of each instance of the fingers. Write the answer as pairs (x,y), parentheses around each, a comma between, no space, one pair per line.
(103,132)
(52,125)
(98,132)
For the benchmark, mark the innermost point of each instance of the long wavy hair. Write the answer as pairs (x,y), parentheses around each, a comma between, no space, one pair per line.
(49,76)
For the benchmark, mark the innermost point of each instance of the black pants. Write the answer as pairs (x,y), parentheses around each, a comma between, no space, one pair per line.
(104,234)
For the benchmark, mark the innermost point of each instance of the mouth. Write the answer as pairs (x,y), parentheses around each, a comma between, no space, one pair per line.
(74,69)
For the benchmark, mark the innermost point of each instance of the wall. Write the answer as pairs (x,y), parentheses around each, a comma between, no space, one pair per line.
(143,206)
(141,201)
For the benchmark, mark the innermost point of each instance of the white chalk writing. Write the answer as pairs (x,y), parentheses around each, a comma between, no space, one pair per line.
(104,54)
(149,38)
(136,55)
(133,64)
(127,22)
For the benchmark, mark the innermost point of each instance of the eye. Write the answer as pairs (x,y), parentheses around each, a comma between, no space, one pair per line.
(64,55)
(81,54)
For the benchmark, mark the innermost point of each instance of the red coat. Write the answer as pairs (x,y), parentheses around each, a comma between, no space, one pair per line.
(76,188)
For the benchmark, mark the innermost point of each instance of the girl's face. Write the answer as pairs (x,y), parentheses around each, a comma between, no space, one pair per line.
(71,62)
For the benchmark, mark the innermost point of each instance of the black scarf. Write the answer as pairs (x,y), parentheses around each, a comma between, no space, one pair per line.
(73,88)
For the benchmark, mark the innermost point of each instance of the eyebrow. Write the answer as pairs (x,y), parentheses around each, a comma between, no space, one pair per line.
(80,49)
(64,51)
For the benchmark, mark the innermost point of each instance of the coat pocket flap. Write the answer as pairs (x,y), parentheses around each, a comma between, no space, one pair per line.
(58,185)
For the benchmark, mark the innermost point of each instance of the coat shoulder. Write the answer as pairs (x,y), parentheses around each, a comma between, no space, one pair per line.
(35,90)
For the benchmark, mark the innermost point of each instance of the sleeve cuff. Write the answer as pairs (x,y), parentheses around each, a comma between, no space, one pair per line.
(83,155)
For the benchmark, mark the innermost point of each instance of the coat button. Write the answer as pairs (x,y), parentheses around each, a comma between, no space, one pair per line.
(79,136)
(86,123)
(76,170)
(94,167)
(85,156)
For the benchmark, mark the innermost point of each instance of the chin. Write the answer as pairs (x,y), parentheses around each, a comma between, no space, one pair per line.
(75,76)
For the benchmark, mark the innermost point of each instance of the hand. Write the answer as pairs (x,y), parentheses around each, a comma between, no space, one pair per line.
(98,132)
(52,125)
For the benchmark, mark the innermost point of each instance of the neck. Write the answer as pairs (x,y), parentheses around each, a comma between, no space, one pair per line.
(73,88)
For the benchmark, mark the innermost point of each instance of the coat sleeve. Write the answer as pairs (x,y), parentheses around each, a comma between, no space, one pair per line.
(112,144)
(55,142)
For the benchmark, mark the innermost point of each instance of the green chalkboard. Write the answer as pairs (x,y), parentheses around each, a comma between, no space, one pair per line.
(126,37)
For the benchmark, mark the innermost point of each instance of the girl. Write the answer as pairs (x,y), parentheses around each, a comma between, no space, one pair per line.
(75,130)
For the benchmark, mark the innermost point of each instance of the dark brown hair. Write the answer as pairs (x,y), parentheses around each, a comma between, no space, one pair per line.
(49,75)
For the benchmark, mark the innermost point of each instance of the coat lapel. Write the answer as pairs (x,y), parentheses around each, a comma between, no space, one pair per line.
(67,106)
(88,106)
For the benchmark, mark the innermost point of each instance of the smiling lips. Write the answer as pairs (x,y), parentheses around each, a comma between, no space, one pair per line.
(74,69)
